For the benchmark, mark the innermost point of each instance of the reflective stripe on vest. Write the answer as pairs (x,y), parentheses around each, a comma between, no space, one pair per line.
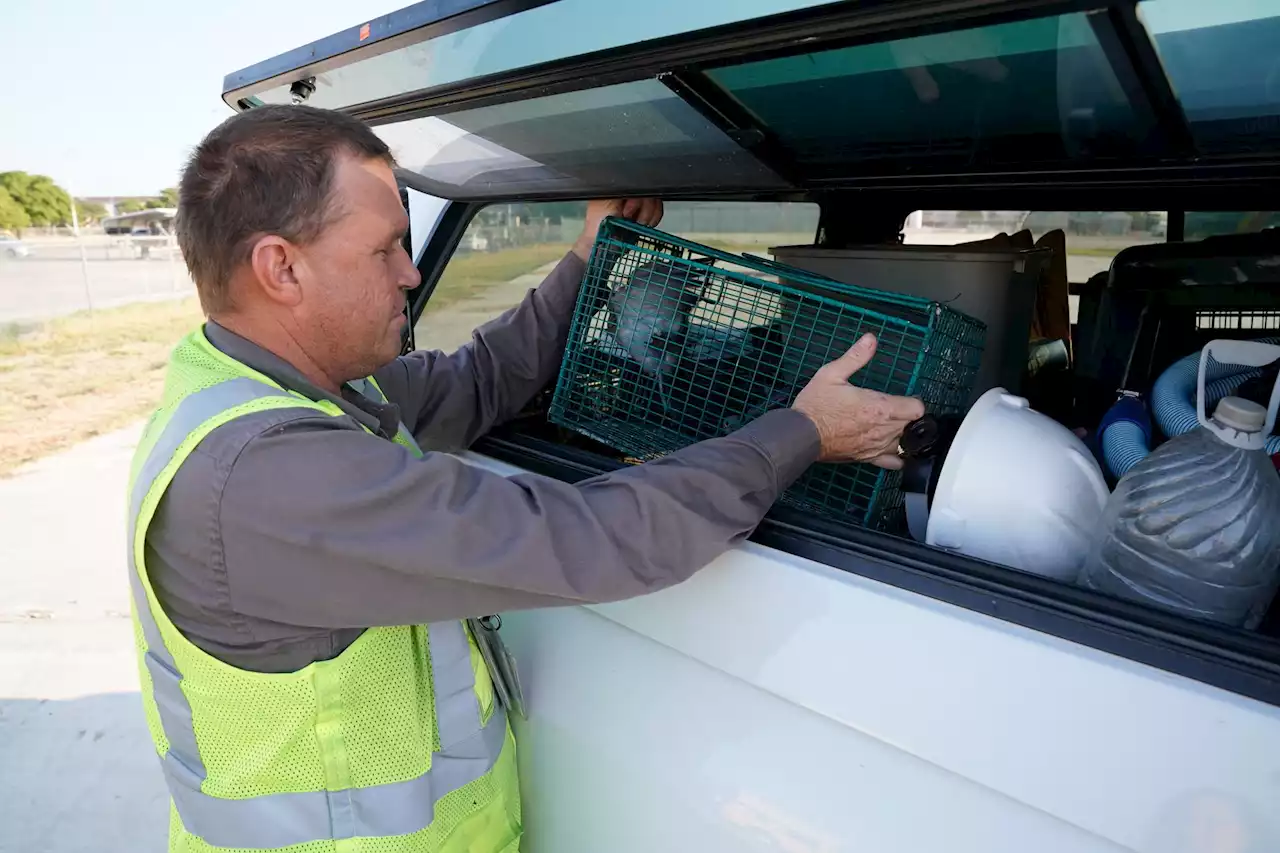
(369,388)
(281,820)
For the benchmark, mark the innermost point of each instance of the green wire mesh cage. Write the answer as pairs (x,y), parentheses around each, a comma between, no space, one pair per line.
(674,342)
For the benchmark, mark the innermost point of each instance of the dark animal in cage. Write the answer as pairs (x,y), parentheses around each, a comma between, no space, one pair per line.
(649,318)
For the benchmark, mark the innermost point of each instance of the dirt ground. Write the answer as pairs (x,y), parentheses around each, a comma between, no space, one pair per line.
(79,376)
(74,377)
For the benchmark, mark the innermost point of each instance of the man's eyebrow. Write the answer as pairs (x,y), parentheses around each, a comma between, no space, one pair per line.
(393,226)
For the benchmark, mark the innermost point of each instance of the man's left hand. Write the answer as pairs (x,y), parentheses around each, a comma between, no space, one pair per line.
(644,211)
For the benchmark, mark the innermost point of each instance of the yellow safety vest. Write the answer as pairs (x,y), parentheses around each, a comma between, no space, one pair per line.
(395,745)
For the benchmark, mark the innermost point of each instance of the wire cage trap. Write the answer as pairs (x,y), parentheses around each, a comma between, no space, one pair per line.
(673,342)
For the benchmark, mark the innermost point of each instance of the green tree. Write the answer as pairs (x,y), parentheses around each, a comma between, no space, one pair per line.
(169,197)
(154,203)
(89,211)
(130,206)
(12,215)
(45,202)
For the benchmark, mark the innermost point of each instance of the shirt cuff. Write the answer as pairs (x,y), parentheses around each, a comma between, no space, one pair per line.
(789,439)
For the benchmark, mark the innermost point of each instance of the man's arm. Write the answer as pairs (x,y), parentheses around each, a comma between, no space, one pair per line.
(450,400)
(371,535)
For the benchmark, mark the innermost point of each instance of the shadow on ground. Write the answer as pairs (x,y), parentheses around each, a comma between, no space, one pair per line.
(79,774)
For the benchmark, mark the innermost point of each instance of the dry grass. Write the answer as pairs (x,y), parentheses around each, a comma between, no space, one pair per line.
(468,275)
(75,377)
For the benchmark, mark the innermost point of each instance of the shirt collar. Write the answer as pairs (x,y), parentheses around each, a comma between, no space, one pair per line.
(381,418)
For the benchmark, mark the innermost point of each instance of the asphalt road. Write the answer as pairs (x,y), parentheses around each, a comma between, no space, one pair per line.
(52,280)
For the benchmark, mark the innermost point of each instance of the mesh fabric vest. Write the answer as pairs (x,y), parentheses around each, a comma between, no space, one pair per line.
(395,745)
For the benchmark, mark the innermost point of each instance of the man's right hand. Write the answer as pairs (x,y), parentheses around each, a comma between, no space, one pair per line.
(855,424)
(644,211)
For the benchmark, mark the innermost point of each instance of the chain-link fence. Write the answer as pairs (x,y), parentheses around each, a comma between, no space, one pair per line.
(52,272)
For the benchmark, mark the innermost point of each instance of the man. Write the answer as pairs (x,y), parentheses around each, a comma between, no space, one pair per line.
(301,569)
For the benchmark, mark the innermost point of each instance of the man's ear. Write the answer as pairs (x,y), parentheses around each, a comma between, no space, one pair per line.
(274,262)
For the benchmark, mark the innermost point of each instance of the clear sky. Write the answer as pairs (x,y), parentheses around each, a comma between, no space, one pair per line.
(109,97)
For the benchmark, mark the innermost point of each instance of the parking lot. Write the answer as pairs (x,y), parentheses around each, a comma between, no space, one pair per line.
(51,281)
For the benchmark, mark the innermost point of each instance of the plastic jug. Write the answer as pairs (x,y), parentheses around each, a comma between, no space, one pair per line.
(1195,526)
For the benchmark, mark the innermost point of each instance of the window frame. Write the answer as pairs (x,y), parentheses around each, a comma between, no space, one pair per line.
(638,132)
(1241,662)
(439,248)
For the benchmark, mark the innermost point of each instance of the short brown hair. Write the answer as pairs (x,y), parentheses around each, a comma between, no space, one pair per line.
(268,170)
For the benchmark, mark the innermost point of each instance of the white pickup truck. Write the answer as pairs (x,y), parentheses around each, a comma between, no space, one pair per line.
(828,687)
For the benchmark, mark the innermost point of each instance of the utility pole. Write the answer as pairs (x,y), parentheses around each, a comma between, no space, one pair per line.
(173,263)
(84,260)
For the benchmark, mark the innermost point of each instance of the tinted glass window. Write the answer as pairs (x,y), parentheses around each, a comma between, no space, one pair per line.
(615,137)
(742,227)
(542,34)
(1222,60)
(1093,237)
(509,248)
(1018,92)
(1202,223)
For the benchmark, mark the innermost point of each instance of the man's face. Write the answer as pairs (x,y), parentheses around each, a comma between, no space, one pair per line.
(355,275)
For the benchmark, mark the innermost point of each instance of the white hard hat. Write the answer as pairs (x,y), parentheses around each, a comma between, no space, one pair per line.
(1019,489)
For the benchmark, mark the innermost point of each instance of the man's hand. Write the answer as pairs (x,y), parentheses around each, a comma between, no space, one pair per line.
(855,424)
(645,211)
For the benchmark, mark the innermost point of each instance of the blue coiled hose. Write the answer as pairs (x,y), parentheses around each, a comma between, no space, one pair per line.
(1126,428)
(1126,435)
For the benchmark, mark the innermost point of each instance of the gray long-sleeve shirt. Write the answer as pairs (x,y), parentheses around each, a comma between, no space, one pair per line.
(287,532)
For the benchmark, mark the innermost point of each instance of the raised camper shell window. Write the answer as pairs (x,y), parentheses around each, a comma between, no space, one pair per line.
(1223,63)
(1038,90)
(545,33)
(1158,84)
(611,138)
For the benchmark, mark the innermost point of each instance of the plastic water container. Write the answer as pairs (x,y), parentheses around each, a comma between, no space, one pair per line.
(1195,526)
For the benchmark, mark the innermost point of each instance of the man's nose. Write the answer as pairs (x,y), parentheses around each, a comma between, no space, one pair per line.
(409,277)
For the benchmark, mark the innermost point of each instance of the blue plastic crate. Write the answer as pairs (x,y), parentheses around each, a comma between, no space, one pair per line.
(673,342)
